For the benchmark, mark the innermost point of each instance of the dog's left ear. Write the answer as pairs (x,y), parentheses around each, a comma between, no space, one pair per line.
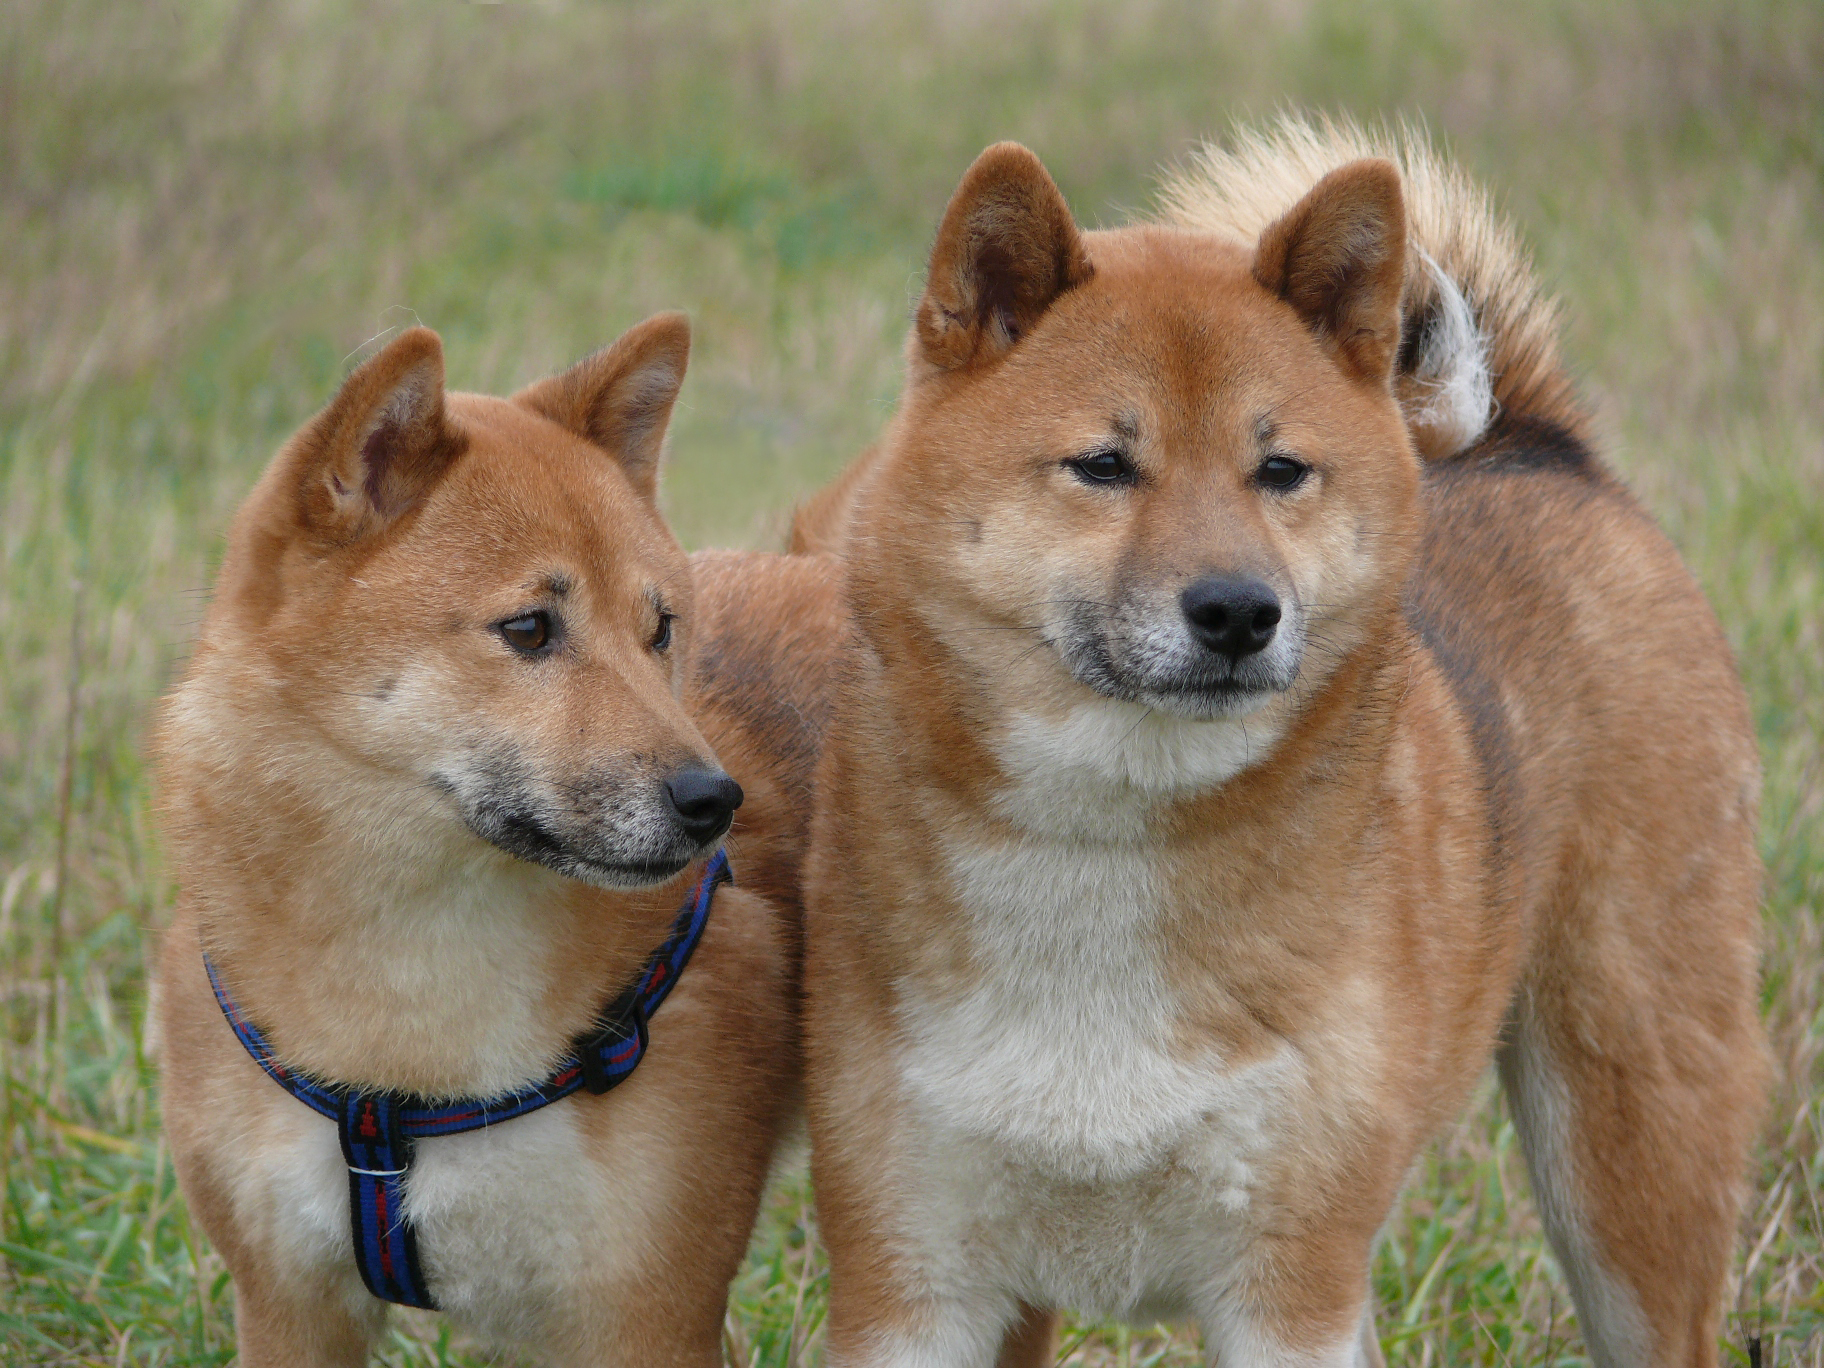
(1339,259)
(621,397)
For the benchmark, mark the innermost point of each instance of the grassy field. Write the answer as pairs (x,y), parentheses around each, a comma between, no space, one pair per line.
(209,208)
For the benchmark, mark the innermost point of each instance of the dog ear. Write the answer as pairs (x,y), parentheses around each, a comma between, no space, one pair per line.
(1339,259)
(1006,249)
(621,397)
(381,444)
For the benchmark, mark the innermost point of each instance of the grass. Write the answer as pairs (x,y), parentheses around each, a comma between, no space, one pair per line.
(208,208)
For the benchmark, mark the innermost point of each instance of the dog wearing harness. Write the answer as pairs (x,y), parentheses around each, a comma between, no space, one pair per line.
(455,742)
(378,1129)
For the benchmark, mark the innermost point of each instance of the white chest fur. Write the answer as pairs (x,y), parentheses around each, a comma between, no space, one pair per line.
(1069,1133)
(508,1218)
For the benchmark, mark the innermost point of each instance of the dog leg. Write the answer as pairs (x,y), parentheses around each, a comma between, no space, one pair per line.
(1370,1351)
(946,1334)
(287,1327)
(1033,1340)
(1635,1116)
(1312,1313)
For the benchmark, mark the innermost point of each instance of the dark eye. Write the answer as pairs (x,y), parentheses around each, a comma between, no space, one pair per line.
(529,633)
(1103,467)
(1282,472)
(662,638)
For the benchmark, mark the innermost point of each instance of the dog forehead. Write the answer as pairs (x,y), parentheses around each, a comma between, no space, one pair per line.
(1174,326)
(529,488)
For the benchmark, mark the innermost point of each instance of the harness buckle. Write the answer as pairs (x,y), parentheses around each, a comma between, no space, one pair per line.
(374,1139)
(626,1025)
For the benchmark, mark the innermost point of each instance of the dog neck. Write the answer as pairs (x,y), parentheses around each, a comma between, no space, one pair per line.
(375,939)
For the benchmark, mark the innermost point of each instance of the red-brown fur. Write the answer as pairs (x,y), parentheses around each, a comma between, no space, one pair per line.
(349,653)
(1505,807)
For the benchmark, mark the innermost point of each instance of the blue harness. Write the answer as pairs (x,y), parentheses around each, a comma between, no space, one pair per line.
(379,1129)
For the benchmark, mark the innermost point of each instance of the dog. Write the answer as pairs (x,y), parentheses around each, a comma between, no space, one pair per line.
(770,641)
(1264,708)
(443,792)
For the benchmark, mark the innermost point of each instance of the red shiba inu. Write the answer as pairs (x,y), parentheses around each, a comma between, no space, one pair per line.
(435,786)
(1265,708)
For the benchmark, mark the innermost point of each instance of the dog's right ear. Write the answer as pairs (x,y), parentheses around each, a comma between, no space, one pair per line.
(380,445)
(621,398)
(1007,248)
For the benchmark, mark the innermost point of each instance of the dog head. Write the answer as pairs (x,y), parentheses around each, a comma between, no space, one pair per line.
(470,617)
(1148,466)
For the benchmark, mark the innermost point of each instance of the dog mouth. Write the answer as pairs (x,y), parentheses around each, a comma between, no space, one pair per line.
(641,875)
(1201,690)
(1226,698)
(1134,658)
(1202,701)
(630,851)
(527,839)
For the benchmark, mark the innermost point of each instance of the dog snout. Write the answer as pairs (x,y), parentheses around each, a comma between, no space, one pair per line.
(1235,616)
(703,802)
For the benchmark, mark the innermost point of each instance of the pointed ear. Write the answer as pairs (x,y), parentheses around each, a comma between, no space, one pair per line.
(381,444)
(1006,249)
(621,397)
(1339,259)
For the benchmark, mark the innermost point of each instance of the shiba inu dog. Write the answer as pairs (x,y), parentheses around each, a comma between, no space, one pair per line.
(1265,708)
(767,645)
(435,788)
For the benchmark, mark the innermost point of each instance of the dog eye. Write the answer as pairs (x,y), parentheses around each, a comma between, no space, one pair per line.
(529,633)
(662,638)
(1103,467)
(1281,472)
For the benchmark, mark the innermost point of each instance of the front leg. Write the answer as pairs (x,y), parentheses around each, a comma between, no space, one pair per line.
(908,1288)
(947,1332)
(1301,1314)
(301,1322)
(1032,1341)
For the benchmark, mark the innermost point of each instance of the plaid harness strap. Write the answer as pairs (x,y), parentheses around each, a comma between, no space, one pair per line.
(379,1129)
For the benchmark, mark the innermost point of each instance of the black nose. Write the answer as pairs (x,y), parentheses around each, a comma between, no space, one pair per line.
(705,801)
(1236,616)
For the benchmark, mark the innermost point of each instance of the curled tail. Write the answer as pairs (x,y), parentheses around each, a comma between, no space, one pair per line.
(1480,336)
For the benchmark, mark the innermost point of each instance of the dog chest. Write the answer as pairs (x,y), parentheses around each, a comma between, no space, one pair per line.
(509,1218)
(1066,1048)
(1066,1128)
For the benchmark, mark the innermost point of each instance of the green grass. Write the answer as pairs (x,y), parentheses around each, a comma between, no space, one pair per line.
(208,208)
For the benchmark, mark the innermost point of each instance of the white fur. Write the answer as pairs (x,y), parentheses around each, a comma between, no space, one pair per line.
(1095,771)
(1063,1052)
(1065,1146)
(1453,370)
(473,1197)
(476,1196)
(1070,1149)
(291,1190)
(1614,1326)
(1241,1340)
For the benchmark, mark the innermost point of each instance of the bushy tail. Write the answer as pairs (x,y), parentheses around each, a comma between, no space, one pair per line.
(1480,337)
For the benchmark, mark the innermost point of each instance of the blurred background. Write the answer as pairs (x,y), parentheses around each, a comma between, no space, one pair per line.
(210,210)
